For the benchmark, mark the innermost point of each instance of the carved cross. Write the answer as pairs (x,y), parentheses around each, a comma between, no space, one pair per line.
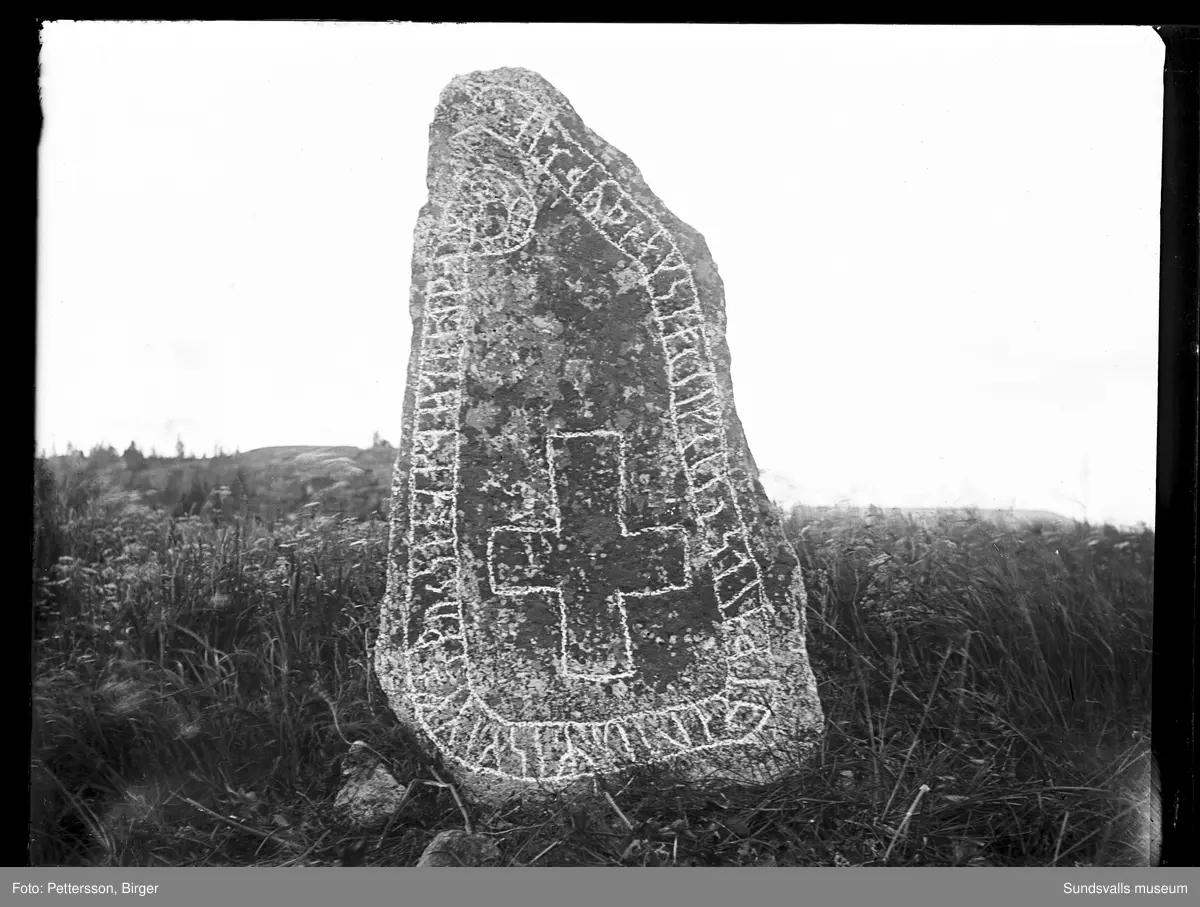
(589,560)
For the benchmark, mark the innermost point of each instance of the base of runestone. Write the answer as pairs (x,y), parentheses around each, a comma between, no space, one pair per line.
(779,746)
(585,575)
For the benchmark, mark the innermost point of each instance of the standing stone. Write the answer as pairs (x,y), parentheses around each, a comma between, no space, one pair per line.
(585,573)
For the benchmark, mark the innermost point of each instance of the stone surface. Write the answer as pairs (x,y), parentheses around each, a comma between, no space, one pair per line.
(585,573)
(369,795)
(460,848)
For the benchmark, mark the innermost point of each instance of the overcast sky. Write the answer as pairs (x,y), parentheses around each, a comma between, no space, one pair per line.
(939,245)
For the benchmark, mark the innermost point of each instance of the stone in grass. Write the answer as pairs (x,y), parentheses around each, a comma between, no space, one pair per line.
(460,848)
(585,573)
(369,795)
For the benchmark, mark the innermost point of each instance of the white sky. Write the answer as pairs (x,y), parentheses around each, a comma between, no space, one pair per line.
(939,244)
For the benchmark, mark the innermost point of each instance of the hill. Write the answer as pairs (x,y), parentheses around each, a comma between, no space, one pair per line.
(271,482)
(930,516)
(268,482)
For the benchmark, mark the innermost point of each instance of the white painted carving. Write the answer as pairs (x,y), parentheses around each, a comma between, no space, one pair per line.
(622,665)
(434,677)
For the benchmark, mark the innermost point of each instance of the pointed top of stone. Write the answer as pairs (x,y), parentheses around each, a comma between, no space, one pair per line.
(498,94)
(512,77)
(503,75)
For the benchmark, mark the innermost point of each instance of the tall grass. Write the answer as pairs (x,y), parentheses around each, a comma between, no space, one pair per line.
(986,694)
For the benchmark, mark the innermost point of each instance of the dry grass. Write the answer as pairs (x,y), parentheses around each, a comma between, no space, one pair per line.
(986,693)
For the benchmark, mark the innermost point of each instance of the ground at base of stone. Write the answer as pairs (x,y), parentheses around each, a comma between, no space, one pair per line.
(210,779)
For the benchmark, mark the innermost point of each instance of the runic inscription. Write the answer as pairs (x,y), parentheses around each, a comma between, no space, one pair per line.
(590,561)
(583,572)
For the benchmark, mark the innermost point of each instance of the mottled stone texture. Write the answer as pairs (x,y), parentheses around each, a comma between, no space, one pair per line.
(584,573)
(369,795)
(460,848)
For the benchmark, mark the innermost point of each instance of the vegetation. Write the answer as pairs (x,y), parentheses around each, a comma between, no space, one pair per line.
(200,674)
(265,483)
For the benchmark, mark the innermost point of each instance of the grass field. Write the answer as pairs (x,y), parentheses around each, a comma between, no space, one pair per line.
(197,680)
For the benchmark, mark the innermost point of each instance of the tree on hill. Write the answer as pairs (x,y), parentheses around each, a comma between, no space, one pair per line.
(179,450)
(379,441)
(102,455)
(134,458)
(47,535)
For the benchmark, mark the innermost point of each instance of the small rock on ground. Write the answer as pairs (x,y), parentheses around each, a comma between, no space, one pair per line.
(460,848)
(369,795)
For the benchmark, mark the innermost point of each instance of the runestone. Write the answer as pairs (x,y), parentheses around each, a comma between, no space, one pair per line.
(584,572)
